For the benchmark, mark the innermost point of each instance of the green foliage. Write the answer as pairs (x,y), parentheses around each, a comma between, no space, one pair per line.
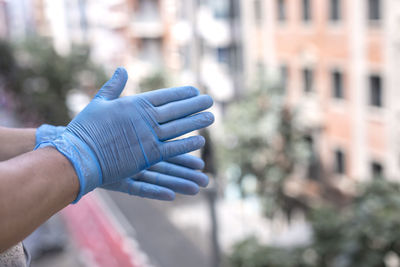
(364,234)
(39,79)
(367,230)
(250,253)
(262,141)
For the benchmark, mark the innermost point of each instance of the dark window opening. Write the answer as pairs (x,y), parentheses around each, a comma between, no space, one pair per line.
(313,170)
(308,79)
(340,162)
(284,76)
(374,10)
(377,170)
(223,55)
(335,10)
(376,91)
(337,84)
(282,10)
(306,10)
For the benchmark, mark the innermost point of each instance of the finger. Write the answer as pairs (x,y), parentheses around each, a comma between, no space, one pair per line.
(142,189)
(181,172)
(186,125)
(164,96)
(180,109)
(188,161)
(178,147)
(176,184)
(114,87)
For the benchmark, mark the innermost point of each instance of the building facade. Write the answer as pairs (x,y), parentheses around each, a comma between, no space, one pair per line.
(3,19)
(337,60)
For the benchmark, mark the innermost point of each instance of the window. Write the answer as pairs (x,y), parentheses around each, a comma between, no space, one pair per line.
(374,10)
(337,84)
(375,91)
(221,8)
(377,170)
(223,54)
(258,9)
(308,78)
(284,76)
(306,10)
(340,162)
(335,10)
(314,166)
(281,10)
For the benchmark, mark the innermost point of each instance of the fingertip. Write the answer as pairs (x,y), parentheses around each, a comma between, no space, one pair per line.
(204,181)
(167,195)
(209,100)
(193,90)
(121,70)
(210,117)
(200,164)
(192,189)
(201,141)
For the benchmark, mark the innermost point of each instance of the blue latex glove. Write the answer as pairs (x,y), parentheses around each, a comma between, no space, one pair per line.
(160,181)
(114,138)
(48,132)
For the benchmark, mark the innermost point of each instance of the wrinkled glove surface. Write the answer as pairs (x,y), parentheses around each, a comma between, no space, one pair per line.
(114,138)
(161,181)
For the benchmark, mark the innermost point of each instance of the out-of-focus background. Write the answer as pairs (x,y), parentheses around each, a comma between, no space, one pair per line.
(304,157)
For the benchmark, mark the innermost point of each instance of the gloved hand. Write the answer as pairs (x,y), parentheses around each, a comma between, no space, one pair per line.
(47,132)
(114,138)
(160,181)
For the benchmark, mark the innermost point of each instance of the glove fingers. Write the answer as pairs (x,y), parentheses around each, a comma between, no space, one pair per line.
(188,161)
(142,189)
(186,125)
(164,96)
(176,184)
(114,87)
(178,147)
(182,172)
(180,109)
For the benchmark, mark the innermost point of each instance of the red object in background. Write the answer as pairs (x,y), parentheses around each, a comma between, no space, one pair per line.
(96,236)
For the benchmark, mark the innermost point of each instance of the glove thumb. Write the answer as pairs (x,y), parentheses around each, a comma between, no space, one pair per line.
(113,88)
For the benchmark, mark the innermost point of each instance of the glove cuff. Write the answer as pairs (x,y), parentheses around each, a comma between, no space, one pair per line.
(82,159)
(47,132)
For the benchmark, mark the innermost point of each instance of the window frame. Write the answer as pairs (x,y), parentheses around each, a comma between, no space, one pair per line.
(308,81)
(374,18)
(281,8)
(372,101)
(373,165)
(306,13)
(334,90)
(339,11)
(340,166)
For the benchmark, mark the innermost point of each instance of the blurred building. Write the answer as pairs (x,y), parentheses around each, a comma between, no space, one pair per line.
(337,61)
(210,45)
(3,19)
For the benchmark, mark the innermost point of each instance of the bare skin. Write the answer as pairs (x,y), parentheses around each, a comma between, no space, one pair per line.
(15,142)
(34,185)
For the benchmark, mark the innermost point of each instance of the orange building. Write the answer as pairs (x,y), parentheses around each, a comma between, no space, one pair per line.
(338,60)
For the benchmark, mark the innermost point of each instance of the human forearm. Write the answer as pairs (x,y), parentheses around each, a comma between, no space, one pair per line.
(33,187)
(15,142)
